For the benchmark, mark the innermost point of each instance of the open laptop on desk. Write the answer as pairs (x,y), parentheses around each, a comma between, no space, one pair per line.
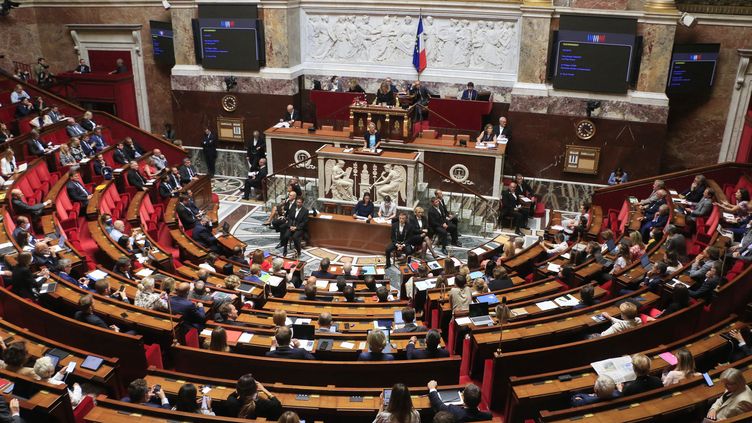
(479,314)
(304,334)
(645,262)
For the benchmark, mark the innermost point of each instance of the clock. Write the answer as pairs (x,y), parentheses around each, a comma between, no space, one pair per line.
(585,129)
(229,103)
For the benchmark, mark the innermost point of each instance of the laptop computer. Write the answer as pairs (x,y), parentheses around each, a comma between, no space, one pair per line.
(304,334)
(398,317)
(645,262)
(489,299)
(611,244)
(478,309)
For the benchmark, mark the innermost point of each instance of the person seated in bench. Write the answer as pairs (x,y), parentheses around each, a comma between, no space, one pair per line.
(15,357)
(102,287)
(433,339)
(323,272)
(467,413)
(139,392)
(604,389)
(281,343)
(188,401)
(376,344)
(712,278)
(193,314)
(251,400)
(408,316)
(45,371)
(644,381)
(200,291)
(325,323)
(736,399)
(86,314)
(629,319)
(587,297)
(399,407)
(309,290)
(227,314)
(202,234)
(382,294)
(349,293)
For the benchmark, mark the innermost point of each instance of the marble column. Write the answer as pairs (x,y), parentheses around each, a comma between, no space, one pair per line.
(535,27)
(737,112)
(657,32)
(183,34)
(282,34)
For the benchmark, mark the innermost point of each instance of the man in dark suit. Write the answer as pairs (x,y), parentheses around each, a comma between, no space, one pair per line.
(291,115)
(659,220)
(408,316)
(43,257)
(10,413)
(712,279)
(73,129)
(20,206)
(209,148)
(451,219)
(510,207)
(119,155)
(86,314)
(500,279)
(255,179)
(193,314)
(174,175)
(185,214)
(134,177)
(76,189)
(54,114)
(433,340)
(202,234)
(166,189)
(297,219)
(123,267)
(82,67)
(283,349)
(470,398)
(470,93)
(102,168)
(402,232)
(502,128)
(36,145)
(323,272)
(187,171)
(523,187)
(256,149)
(24,108)
(437,222)
(420,96)
(696,190)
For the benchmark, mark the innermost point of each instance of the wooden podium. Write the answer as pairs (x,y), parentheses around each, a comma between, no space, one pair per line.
(393,123)
(346,176)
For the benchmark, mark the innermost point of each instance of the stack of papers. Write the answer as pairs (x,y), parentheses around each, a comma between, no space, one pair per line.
(433,265)
(462,321)
(274,280)
(567,301)
(673,282)
(245,337)
(144,272)
(425,284)
(519,311)
(322,284)
(553,268)
(96,275)
(546,305)
(325,216)
(557,227)
(619,369)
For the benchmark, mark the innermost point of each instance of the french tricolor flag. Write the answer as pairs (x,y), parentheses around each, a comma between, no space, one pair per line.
(419,54)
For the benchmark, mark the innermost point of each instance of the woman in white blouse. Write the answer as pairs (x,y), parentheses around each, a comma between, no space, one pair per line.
(685,367)
(8,164)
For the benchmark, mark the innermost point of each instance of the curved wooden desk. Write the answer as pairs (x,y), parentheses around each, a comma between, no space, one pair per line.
(350,234)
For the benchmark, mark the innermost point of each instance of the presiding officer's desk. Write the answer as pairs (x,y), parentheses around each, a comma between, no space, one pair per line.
(348,233)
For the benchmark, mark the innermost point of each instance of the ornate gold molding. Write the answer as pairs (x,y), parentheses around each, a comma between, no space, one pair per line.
(543,3)
(660,6)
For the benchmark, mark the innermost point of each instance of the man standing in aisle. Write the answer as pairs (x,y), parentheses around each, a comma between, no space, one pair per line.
(209,145)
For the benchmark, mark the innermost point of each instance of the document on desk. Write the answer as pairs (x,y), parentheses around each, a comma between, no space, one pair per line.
(462,321)
(478,251)
(332,287)
(546,305)
(326,216)
(274,280)
(144,272)
(96,275)
(322,284)
(348,345)
(245,338)
(361,218)
(426,284)
(557,227)
(619,369)
(567,301)
(553,268)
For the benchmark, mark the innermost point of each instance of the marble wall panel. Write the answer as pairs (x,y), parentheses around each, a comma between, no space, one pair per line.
(276,37)
(183,35)
(246,84)
(658,42)
(570,106)
(534,49)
